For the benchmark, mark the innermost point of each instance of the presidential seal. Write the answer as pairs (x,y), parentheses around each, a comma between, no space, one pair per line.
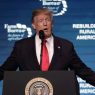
(39,86)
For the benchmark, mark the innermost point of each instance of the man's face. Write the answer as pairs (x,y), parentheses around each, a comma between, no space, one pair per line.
(43,22)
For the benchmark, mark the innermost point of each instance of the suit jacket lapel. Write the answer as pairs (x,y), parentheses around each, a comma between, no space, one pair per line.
(33,53)
(57,54)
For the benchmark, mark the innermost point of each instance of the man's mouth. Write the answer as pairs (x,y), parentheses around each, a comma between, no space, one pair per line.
(45,29)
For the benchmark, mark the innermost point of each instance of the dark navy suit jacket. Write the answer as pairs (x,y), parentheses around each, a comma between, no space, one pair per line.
(64,58)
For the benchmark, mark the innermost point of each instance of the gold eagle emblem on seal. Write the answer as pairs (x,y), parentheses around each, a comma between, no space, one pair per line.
(39,86)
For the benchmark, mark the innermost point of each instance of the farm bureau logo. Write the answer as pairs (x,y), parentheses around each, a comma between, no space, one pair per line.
(59,7)
(18,31)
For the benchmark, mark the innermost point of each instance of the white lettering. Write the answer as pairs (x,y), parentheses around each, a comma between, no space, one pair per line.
(87,31)
(87,91)
(83,25)
(85,37)
(51,3)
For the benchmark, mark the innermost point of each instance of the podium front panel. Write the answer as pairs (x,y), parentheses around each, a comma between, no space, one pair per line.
(61,82)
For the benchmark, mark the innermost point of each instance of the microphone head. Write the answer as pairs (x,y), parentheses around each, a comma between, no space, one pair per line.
(41,34)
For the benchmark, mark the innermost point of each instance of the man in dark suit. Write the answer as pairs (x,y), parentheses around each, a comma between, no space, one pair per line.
(62,56)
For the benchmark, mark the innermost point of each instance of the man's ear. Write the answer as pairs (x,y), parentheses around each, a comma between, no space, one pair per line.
(33,26)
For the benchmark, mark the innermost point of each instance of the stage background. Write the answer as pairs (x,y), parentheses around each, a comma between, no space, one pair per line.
(73,20)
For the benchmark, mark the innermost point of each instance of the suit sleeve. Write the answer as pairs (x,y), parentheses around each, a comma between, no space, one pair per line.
(11,63)
(80,68)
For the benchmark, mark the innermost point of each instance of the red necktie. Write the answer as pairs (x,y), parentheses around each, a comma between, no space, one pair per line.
(45,57)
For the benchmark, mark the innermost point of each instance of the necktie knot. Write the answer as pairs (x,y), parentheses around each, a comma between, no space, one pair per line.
(44,41)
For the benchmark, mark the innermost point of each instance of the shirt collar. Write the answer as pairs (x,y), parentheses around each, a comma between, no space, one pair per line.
(38,40)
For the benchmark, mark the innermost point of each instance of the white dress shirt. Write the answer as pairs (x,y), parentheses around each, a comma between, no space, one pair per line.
(49,45)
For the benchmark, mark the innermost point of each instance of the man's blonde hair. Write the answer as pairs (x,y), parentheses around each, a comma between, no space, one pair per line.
(41,11)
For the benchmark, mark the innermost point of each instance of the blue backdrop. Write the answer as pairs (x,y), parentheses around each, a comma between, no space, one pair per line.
(73,20)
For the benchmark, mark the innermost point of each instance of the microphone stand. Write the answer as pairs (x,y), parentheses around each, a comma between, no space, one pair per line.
(41,36)
(41,53)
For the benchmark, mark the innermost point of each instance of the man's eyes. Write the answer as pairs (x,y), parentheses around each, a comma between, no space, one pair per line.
(43,20)
(40,20)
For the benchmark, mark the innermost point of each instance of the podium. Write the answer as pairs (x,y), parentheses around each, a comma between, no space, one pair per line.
(40,83)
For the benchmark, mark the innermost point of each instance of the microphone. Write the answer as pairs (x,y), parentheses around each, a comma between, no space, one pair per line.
(41,34)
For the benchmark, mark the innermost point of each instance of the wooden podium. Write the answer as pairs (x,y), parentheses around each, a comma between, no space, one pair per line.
(40,83)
